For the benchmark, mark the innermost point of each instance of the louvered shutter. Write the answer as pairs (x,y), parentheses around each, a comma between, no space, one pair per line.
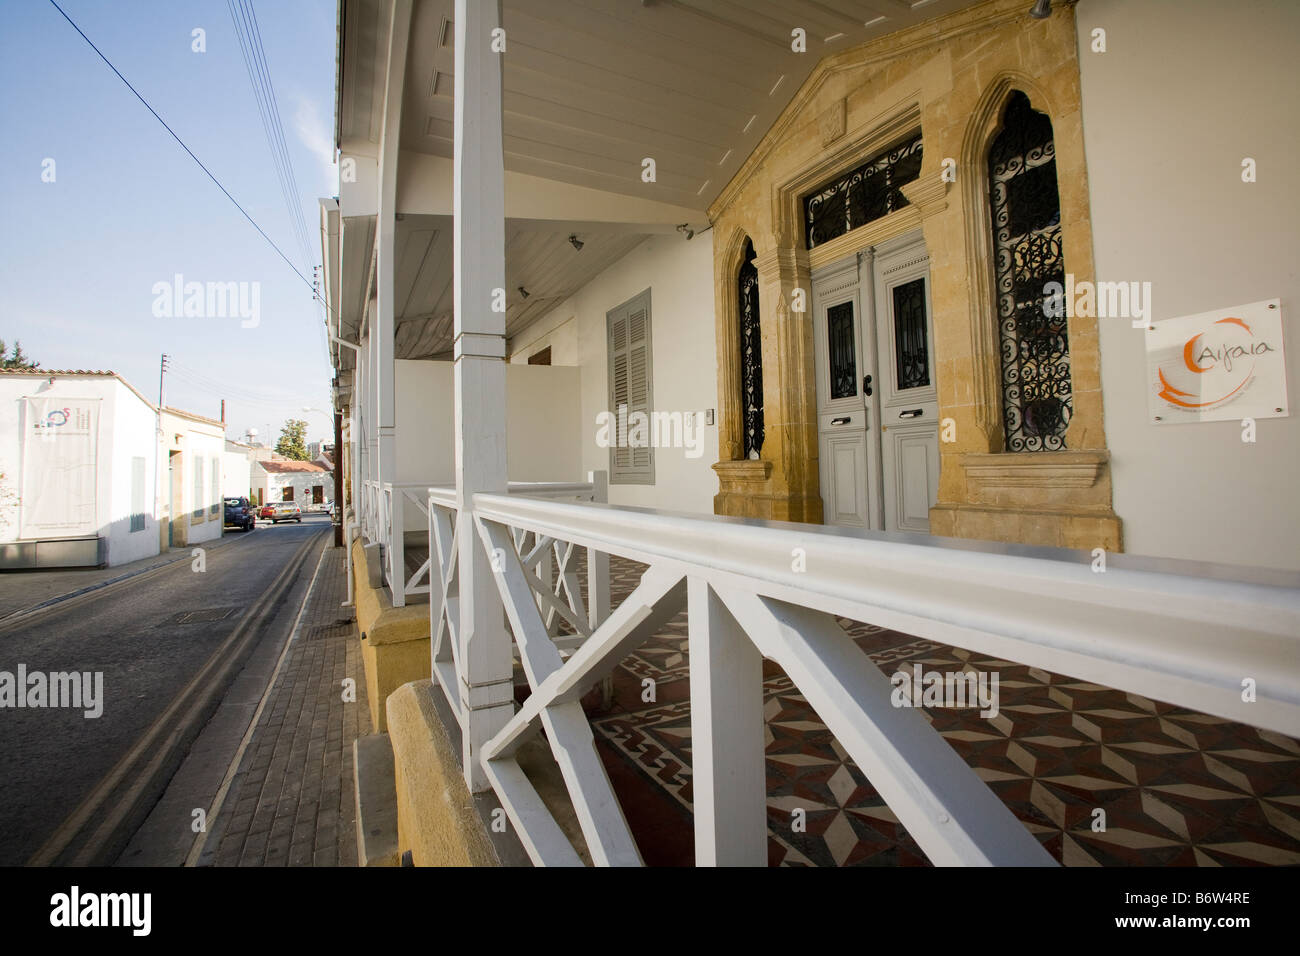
(630,385)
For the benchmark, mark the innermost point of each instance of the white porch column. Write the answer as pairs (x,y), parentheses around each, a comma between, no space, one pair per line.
(362,426)
(487,694)
(385,277)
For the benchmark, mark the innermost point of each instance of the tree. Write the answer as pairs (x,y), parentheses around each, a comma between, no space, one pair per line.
(15,358)
(291,443)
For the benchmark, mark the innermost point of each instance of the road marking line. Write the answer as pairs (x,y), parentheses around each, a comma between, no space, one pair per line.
(162,736)
(200,842)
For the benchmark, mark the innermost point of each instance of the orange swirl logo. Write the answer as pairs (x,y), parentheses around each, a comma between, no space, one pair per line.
(1224,354)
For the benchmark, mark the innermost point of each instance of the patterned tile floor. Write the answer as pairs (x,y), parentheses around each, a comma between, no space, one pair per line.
(1177,788)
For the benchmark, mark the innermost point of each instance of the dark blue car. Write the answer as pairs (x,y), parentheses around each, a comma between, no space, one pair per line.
(240,514)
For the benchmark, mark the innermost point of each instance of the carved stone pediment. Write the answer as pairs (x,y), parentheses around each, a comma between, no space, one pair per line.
(831,123)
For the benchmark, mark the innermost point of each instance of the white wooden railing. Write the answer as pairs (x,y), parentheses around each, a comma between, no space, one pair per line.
(383,521)
(370,512)
(393,499)
(756,590)
(558,601)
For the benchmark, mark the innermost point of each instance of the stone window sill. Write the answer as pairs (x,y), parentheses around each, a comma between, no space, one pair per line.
(1044,469)
(744,470)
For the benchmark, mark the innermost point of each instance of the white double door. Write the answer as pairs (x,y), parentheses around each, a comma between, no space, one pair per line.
(878,427)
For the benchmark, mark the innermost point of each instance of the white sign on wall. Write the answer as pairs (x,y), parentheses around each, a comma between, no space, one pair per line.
(1224,365)
(60,444)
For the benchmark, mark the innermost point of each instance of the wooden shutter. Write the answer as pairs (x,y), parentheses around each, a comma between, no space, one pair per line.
(630,385)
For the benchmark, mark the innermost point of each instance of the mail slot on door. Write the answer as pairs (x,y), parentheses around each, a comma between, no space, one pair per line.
(844,420)
(912,413)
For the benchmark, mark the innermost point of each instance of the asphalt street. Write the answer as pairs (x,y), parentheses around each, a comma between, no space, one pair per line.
(148,636)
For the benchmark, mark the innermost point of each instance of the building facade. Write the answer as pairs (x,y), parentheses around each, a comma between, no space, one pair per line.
(881,281)
(191,461)
(78,455)
(305,483)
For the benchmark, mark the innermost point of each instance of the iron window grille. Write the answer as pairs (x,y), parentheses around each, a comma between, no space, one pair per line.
(751,355)
(1026,212)
(867,193)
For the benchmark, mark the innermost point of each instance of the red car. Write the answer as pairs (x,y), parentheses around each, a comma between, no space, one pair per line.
(266,511)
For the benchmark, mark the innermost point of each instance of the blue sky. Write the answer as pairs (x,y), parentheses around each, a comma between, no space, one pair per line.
(80,256)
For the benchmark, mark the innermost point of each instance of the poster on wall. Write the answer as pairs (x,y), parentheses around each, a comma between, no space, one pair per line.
(1225,365)
(60,444)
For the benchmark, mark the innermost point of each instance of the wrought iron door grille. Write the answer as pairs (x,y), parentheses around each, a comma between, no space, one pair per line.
(911,348)
(868,192)
(1026,211)
(842,345)
(751,355)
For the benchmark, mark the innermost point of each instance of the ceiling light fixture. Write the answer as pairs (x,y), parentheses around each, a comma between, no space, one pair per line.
(1042,10)
(686,228)
(575,242)
(523,292)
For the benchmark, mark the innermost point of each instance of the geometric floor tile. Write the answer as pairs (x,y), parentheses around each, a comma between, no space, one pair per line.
(1099,776)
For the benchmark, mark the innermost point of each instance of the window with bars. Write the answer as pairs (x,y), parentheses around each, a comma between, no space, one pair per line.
(1027,254)
(867,193)
(631,456)
(751,354)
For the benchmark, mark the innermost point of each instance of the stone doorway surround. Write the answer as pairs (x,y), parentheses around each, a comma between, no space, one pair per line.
(950,78)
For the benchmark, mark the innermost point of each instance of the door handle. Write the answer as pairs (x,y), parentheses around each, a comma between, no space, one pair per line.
(840,421)
(912,413)
(866,385)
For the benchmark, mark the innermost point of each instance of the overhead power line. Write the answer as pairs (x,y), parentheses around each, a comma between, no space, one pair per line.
(244,18)
(307,282)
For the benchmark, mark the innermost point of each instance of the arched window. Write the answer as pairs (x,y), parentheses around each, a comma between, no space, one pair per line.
(1035,345)
(751,354)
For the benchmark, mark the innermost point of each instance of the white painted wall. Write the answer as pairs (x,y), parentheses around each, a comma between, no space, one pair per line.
(300,482)
(133,434)
(127,428)
(542,406)
(543,415)
(679,275)
(199,440)
(237,478)
(1185,91)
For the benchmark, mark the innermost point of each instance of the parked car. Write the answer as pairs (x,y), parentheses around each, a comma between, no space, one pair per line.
(285,511)
(266,511)
(240,513)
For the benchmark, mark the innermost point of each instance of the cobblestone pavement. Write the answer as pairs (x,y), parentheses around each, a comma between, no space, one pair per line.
(291,801)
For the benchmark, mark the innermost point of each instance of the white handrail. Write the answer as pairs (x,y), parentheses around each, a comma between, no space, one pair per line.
(1155,633)
(755,590)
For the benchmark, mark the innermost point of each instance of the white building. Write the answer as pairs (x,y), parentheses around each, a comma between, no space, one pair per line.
(78,460)
(237,481)
(302,482)
(192,461)
(832,264)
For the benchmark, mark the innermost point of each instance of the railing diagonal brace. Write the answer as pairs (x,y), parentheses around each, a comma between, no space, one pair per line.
(607,834)
(945,806)
(659,598)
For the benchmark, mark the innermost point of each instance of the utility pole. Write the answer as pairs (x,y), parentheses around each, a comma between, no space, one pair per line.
(162,372)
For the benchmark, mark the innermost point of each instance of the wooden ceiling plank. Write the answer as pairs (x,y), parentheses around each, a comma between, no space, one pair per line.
(586,52)
(731,55)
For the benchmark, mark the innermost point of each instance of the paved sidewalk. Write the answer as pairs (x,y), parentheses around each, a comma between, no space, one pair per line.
(291,801)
